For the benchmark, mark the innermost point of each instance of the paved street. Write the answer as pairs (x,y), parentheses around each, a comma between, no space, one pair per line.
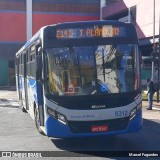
(9,103)
(18,133)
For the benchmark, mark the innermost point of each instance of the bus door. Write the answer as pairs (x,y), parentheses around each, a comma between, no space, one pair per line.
(25,81)
(39,83)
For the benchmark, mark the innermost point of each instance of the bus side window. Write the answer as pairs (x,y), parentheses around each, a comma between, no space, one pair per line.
(32,61)
(17,66)
(28,63)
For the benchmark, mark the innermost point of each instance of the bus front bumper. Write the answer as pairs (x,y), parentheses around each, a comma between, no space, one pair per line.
(56,129)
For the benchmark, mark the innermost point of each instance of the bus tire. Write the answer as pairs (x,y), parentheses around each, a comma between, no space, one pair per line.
(23,109)
(37,121)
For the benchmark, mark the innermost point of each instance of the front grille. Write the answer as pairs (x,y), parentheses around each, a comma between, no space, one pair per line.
(85,126)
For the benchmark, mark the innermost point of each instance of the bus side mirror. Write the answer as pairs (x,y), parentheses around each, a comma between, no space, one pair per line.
(39,67)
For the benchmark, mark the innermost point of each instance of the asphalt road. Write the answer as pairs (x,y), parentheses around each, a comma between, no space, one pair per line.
(18,133)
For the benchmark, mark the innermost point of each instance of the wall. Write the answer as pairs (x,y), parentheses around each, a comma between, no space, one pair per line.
(45,12)
(12,27)
(3,72)
(144,14)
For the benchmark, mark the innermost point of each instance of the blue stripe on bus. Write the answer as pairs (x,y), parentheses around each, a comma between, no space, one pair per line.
(37,90)
(20,84)
(56,129)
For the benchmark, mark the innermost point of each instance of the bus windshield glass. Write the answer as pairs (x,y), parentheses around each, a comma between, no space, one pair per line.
(88,70)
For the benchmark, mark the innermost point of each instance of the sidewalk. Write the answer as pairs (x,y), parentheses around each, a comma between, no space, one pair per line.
(156,106)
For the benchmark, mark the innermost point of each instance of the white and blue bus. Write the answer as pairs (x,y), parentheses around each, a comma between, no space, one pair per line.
(81,79)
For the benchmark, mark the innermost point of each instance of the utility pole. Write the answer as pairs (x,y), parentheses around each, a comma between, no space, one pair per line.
(102,4)
(129,15)
(29,18)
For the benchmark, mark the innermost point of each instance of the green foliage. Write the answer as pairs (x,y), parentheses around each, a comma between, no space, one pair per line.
(145,97)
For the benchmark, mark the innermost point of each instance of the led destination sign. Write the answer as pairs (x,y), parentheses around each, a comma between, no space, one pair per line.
(91,32)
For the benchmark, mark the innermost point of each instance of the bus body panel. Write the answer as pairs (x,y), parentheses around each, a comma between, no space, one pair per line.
(35,99)
(22,91)
(32,95)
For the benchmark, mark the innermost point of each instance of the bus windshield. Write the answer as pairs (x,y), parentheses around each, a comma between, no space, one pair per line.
(88,70)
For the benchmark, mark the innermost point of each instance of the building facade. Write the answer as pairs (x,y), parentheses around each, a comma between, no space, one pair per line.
(145,15)
(20,19)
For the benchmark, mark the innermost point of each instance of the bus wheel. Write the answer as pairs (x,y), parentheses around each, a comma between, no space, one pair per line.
(37,121)
(23,109)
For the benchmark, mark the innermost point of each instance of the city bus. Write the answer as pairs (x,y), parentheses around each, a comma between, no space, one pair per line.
(81,79)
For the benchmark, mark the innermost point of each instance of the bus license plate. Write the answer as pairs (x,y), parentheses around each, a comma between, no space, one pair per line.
(99,128)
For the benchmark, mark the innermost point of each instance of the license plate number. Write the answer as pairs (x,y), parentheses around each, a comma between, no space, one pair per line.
(99,128)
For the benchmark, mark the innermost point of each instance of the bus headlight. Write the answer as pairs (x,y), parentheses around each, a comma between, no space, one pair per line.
(139,107)
(133,113)
(135,110)
(51,112)
(60,117)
